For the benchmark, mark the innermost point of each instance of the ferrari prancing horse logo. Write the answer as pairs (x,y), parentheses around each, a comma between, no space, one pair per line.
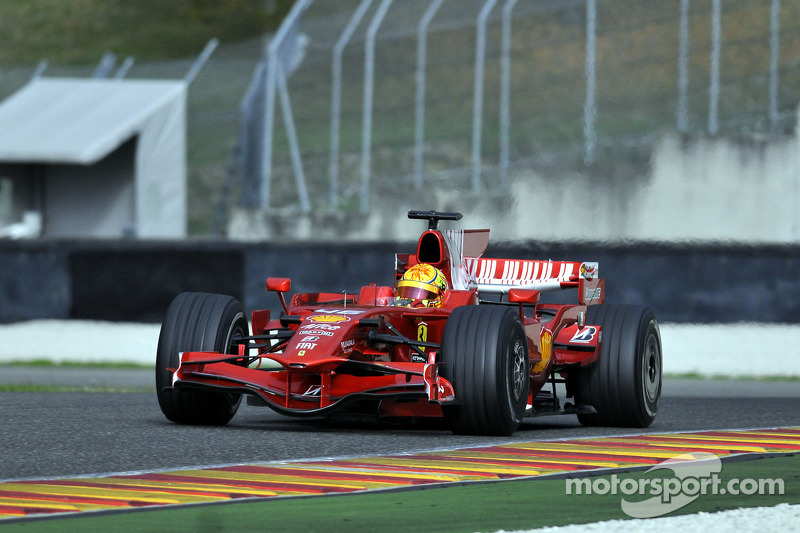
(422,332)
(546,349)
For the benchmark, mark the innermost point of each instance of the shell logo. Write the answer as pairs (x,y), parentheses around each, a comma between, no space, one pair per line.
(588,270)
(328,319)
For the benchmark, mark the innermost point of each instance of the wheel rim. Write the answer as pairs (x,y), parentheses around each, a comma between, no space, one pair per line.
(235,333)
(237,330)
(651,371)
(518,374)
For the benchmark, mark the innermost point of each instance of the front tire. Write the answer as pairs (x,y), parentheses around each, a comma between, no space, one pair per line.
(485,358)
(198,322)
(624,384)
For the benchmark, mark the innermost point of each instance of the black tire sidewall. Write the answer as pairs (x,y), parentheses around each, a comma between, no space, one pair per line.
(197,322)
(615,385)
(510,342)
(479,361)
(649,339)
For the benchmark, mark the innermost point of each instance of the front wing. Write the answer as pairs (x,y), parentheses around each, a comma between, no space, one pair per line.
(320,386)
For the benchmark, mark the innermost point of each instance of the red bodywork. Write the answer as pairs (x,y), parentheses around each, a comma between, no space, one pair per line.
(333,350)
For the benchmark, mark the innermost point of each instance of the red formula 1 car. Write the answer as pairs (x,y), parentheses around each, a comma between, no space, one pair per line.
(482,352)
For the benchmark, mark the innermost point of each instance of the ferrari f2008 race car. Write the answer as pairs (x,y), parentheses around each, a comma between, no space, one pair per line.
(458,336)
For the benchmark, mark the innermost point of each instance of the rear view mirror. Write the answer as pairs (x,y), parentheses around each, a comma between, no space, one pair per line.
(279,284)
(523,296)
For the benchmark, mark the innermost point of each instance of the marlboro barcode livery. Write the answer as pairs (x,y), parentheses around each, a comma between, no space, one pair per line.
(457,336)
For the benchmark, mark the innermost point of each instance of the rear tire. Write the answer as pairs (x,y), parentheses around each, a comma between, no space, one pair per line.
(485,358)
(198,322)
(624,384)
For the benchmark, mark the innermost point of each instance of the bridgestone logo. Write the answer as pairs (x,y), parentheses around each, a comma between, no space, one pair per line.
(316,332)
(592,294)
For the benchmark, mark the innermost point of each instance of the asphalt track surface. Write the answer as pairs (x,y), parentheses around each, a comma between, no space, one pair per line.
(56,434)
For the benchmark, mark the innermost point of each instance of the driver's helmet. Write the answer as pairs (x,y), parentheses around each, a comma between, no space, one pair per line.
(422,285)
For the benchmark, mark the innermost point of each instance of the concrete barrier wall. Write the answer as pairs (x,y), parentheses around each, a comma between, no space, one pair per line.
(693,189)
(135,281)
(119,280)
(34,283)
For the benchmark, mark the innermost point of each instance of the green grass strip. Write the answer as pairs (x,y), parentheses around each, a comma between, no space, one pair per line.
(508,505)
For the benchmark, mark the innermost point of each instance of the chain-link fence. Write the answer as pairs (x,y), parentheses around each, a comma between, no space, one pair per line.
(388,97)
(394,96)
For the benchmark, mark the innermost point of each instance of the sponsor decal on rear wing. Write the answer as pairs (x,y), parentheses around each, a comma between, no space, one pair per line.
(500,275)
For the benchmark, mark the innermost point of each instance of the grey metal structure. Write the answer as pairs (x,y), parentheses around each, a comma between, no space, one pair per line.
(590,105)
(200,62)
(774,72)
(277,65)
(419,101)
(366,127)
(106,66)
(683,68)
(336,98)
(402,90)
(505,90)
(477,105)
(713,86)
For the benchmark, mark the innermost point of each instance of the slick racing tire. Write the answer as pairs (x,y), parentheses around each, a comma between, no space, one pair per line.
(203,323)
(485,359)
(624,384)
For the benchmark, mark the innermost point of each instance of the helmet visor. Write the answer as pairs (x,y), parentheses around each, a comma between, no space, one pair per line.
(416,293)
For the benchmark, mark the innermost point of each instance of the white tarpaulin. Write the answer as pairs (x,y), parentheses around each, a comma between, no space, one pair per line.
(72,127)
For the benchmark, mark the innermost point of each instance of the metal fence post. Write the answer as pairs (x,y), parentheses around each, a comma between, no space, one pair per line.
(716,45)
(106,66)
(419,103)
(477,116)
(590,108)
(122,71)
(505,91)
(271,83)
(369,75)
(774,46)
(294,148)
(683,69)
(336,99)
(40,68)
(201,60)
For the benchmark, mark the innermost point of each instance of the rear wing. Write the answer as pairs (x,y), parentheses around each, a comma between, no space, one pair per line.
(498,276)
(458,254)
